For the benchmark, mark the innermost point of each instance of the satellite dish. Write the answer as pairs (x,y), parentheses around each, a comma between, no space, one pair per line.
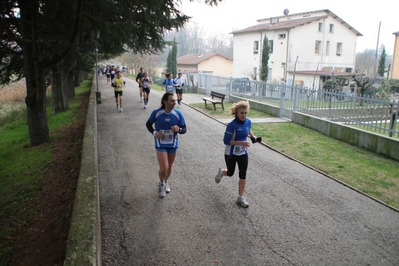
(286,11)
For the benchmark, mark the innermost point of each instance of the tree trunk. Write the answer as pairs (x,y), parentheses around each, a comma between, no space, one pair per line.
(77,71)
(35,79)
(70,85)
(36,103)
(58,88)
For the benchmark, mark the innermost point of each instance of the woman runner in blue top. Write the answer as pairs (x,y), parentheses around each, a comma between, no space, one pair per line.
(169,83)
(236,150)
(169,123)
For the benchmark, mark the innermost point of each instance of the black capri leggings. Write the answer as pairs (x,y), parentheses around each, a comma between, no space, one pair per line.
(242,162)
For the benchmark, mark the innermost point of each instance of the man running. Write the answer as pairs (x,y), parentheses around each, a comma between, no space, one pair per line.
(139,76)
(179,89)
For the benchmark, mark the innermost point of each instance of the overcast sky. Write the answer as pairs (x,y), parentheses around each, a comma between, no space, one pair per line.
(363,16)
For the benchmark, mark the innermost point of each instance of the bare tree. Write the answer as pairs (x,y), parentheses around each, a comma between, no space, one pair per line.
(363,83)
(365,62)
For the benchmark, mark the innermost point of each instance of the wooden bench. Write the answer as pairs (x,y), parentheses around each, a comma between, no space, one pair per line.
(215,98)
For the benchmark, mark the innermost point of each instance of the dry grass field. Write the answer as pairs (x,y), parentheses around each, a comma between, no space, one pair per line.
(12,98)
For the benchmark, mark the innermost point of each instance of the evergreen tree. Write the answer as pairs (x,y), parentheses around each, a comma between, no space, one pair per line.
(171,62)
(169,66)
(381,63)
(174,59)
(39,36)
(264,70)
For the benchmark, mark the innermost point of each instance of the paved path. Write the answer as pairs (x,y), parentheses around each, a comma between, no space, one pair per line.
(296,215)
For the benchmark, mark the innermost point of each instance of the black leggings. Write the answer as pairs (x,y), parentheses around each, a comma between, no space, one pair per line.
(242,162)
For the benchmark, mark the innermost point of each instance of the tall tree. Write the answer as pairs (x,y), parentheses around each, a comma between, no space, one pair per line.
(174,59)
(264,70)
(38,34)
(169,62)
(381,63)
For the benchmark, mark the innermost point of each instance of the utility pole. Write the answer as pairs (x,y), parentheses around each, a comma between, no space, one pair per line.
(376,51)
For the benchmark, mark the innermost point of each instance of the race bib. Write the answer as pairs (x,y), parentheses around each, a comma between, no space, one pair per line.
(167,137)
(239,150)
(169,88)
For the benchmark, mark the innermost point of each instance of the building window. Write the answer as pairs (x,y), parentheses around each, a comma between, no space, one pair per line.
(271,46)
(320,27)
(281,36)
(317,47)
(343,82)
(339,48)
(331,28)
(327,47)
(256,47)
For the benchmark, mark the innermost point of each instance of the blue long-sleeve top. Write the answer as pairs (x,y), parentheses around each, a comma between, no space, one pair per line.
(236,130)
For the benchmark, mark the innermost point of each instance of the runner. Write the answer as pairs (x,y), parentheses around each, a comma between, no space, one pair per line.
(118,83)
(113,72)
(236,150)
(139,76)
(146,83)
(169,122)
(179,89)
(169,83)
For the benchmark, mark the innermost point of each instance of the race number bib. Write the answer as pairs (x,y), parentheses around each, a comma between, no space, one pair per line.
(239,150)
(169,88)
(167,137)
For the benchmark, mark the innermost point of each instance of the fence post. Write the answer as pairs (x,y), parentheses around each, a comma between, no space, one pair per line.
(394,113)
(231,85)
(282,98)
(296,97)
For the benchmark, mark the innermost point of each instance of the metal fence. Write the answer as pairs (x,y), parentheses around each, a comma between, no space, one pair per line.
(367,113)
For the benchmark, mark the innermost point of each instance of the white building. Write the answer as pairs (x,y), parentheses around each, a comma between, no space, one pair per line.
(317,45)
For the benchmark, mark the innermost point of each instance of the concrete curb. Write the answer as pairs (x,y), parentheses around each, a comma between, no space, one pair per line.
(84,238)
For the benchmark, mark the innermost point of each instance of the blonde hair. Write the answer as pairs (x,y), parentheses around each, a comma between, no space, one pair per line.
(239,105)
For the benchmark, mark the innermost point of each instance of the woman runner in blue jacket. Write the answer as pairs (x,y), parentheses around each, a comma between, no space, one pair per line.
(236,150)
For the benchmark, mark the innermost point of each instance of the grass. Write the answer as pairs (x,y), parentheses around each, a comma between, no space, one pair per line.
(22,167)
(364,170)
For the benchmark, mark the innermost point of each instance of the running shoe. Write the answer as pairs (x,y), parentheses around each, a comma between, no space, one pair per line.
(161,190)
(167,187)
(121,110)
(145,106)
(117,107)
(242,202)
(219,175)
(141,100)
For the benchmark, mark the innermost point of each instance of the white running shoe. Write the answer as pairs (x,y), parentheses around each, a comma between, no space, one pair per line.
(145,106)
(141,100)
(219,175)
(242,202)
(121,110)
(161,190)
(167,187)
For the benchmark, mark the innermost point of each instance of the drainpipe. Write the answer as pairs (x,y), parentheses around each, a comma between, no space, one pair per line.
(260,53)
(286,56)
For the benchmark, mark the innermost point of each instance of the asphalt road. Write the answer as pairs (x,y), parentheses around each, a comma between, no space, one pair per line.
(297,216)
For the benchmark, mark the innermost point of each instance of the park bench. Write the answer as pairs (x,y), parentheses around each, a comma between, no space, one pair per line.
(215,98)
